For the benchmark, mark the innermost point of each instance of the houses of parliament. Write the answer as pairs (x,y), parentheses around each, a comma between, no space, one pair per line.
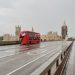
(53,36)
(9,37)
(50,36)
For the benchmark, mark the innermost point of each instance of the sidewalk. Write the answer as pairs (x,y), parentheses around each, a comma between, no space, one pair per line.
(71,63)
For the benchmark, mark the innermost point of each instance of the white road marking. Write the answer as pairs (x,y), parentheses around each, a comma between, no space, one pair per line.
(36,53)
(15,58)
(39,51)
(25,65)
(7,50)
(49,45)
(28,63)
(6,56)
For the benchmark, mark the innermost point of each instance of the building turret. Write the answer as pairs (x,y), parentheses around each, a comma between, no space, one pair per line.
(17,31)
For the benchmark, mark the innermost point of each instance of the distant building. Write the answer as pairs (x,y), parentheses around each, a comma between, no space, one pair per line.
(64,30)
(43,38)
(1,38)
(8,37)
(51,36)
(17,31)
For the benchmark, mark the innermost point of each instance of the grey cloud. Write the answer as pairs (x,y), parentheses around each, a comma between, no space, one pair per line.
(43,15)
(6,3)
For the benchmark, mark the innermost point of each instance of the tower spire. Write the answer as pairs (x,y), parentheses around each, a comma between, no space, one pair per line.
(64,22)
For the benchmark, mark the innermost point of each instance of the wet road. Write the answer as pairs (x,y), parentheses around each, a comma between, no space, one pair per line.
(17,49)
(24,60)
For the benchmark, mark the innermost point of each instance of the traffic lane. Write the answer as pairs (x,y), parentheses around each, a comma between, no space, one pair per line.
(39,51)
(17,62)
(17,46)
(20,61)
(35,50)
(4,52)
(8,47)
(17,49)
(14,56)
(6,59)
(31,52)
(27,69)
(43,56)
(42,44)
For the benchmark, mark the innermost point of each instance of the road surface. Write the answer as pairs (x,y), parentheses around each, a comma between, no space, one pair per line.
(24,60)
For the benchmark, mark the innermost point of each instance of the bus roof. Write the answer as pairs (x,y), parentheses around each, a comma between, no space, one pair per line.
(29,32)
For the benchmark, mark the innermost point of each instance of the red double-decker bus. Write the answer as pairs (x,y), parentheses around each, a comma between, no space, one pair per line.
(28,37)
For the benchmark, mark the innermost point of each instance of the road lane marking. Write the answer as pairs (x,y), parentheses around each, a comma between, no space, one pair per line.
(24,49)
(42,67)
(15,58)
(9,74)
(36,53)
(39,51)
(28,53)
(29,63)
(20,47)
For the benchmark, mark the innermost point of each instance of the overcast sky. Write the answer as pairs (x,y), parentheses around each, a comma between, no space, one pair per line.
(43,15)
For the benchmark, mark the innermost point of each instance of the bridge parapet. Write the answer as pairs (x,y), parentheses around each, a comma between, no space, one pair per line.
(56,64)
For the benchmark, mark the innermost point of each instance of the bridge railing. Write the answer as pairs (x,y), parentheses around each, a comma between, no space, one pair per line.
(56,64)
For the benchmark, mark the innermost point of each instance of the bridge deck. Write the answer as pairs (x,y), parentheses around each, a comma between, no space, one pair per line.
(29,61)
